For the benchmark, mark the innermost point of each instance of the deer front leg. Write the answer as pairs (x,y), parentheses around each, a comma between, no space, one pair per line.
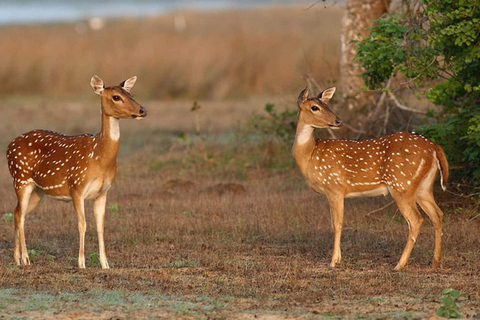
(99,211)
(336,211)
(79,204)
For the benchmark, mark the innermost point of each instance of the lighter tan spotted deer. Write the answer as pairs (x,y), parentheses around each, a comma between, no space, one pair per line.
(71,168)
(402,164)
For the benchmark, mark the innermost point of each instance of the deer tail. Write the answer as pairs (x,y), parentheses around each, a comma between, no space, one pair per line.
(442,166)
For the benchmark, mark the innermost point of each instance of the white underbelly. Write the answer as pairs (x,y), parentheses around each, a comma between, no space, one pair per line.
(381,190)
(61,198)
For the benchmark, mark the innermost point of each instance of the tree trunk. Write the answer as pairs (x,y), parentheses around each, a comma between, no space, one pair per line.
(358,17)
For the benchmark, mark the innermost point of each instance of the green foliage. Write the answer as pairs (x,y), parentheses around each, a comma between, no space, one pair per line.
(264,141)
(113,208)
(275,133)
(384,52)
(449,307)
(439,42)
(9,217)
(93,259)
(33,254)
(276,125)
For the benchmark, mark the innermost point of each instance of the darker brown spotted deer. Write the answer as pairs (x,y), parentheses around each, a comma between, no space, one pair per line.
(71,168)
(402,164)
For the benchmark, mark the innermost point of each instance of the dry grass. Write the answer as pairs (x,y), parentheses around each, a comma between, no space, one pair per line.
(181,249)
(221,54)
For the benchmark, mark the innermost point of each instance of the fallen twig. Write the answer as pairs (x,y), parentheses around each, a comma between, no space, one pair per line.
(376,210)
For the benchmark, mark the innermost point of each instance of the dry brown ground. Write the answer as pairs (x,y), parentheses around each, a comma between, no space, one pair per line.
(179,248)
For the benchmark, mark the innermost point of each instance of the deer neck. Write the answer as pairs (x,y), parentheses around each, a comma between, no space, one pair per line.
(108,140)
(303,146)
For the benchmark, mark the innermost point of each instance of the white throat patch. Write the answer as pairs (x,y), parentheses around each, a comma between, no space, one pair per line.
(304,135)
(114,132)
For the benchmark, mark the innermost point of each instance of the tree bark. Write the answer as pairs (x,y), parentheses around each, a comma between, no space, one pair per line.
(358,17)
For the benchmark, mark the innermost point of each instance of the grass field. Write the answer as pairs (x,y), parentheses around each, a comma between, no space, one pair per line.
(180,247)
(210,220)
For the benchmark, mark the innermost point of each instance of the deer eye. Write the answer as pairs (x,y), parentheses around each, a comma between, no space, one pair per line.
(116,98)
(315,108)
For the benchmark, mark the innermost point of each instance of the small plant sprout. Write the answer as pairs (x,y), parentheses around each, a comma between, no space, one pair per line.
(113,208)
(93,259)
(449,307)
(32,254)
(8,217)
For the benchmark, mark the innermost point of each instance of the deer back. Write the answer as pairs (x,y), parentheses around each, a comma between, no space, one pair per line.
(398,161)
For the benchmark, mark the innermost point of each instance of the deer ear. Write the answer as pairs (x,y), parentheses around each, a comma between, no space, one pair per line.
(327,94)
(128,84)
(97,85)
(302,97)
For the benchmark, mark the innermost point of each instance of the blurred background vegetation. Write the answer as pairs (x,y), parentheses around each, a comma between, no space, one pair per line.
(213,55)
(434,48)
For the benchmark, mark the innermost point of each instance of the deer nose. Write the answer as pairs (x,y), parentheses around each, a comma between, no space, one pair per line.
(143,112)
(338,123)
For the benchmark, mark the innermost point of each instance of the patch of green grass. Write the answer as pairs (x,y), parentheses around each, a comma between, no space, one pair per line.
(184,263)
(114,209)
(38,301)
(112,298)
(9,217)
(50,258)
(449,308)
(7,298)
(33,254)
(93,259)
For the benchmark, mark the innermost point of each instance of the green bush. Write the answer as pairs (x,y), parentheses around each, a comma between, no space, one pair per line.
(440,42)
(449,307)
(276,125)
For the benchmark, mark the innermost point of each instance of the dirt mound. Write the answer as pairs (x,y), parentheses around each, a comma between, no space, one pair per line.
(226,188)
(176,186)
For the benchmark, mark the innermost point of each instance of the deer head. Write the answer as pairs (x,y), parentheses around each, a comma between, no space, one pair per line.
(315,111)
(117,101)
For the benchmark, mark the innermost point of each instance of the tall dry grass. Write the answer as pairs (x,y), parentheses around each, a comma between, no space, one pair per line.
(231,53)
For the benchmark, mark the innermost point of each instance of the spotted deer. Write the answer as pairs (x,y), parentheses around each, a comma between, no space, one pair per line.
(402,164)
(71,168)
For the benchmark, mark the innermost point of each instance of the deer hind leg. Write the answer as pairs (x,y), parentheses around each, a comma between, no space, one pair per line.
(28,199)
(336,211)
(79,205)
(99,211)
(408,208)
(427,202)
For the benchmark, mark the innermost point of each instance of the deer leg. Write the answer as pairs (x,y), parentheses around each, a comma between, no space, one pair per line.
(428,204)
(99,211)
(79,205)
(409,210)
(28,199)
(19,221)
(336,211)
